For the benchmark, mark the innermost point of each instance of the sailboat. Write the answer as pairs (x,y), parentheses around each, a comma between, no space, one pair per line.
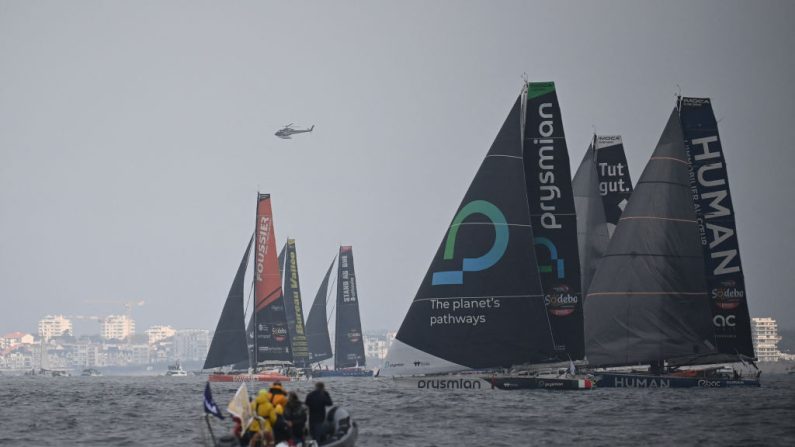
(602,187)
(271,338)
(669,293)
(497,295)
(349,358)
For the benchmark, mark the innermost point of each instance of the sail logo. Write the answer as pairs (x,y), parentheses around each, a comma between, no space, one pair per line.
(279,333)
(708,182)
(487,260)
(548,193)
(612,178)
(263,237)
(728,296)
(556,264)
(354,336)
(561,302)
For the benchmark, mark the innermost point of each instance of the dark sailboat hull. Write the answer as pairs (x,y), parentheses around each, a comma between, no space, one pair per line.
(630,380)
(538,383)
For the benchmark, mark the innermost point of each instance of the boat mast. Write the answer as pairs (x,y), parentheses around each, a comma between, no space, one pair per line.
(255,364)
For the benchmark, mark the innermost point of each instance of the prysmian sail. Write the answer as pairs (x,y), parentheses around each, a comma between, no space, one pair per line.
(317,336)
(349,343)
(480,304)
(229,344)
(709,186)
(293,309)
(647,303)
(549,195)
(272,337)
(602,187)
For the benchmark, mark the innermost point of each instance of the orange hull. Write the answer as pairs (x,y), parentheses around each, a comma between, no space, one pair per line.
(259,377)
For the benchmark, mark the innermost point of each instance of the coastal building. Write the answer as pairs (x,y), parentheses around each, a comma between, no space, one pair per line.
(13,339)
(54,326)
(766,338)
(157,333)
(375,347)
(117,327)
(191,344)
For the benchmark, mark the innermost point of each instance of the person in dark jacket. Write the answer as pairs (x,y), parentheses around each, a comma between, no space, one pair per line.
(295,415)
(317,401)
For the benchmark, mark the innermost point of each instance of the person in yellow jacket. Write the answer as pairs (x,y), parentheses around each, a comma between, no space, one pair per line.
(262,407)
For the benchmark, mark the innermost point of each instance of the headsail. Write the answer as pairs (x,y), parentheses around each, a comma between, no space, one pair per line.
(317,324)
(709,186)
(592,230)
(294,309)
(602,188)
(272,338)
(349,343)
(551,202)
(647,302)
(230,344)
(480,304)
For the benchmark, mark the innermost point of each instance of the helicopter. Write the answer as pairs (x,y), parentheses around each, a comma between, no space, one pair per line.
(287,130)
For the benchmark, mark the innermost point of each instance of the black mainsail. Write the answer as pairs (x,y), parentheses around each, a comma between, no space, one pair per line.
(293,307)
(230,345)
(709,186)
(348,340)
(551,202)
(317,337)
(648,301)
(480,304)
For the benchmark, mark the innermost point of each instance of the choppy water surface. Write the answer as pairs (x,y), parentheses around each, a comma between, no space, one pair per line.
(155,411)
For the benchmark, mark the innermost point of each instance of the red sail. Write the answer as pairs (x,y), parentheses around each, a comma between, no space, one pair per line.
(272,335)
(267,284)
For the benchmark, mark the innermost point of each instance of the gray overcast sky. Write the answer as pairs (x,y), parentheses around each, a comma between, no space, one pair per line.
(135,135)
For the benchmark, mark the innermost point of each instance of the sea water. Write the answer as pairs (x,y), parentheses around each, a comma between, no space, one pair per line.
(167,411)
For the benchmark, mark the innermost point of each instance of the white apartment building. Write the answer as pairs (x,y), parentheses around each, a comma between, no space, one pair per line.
(191,344)
(766,338)
(375,347)
(158,333)
(117,327)
(54,326)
